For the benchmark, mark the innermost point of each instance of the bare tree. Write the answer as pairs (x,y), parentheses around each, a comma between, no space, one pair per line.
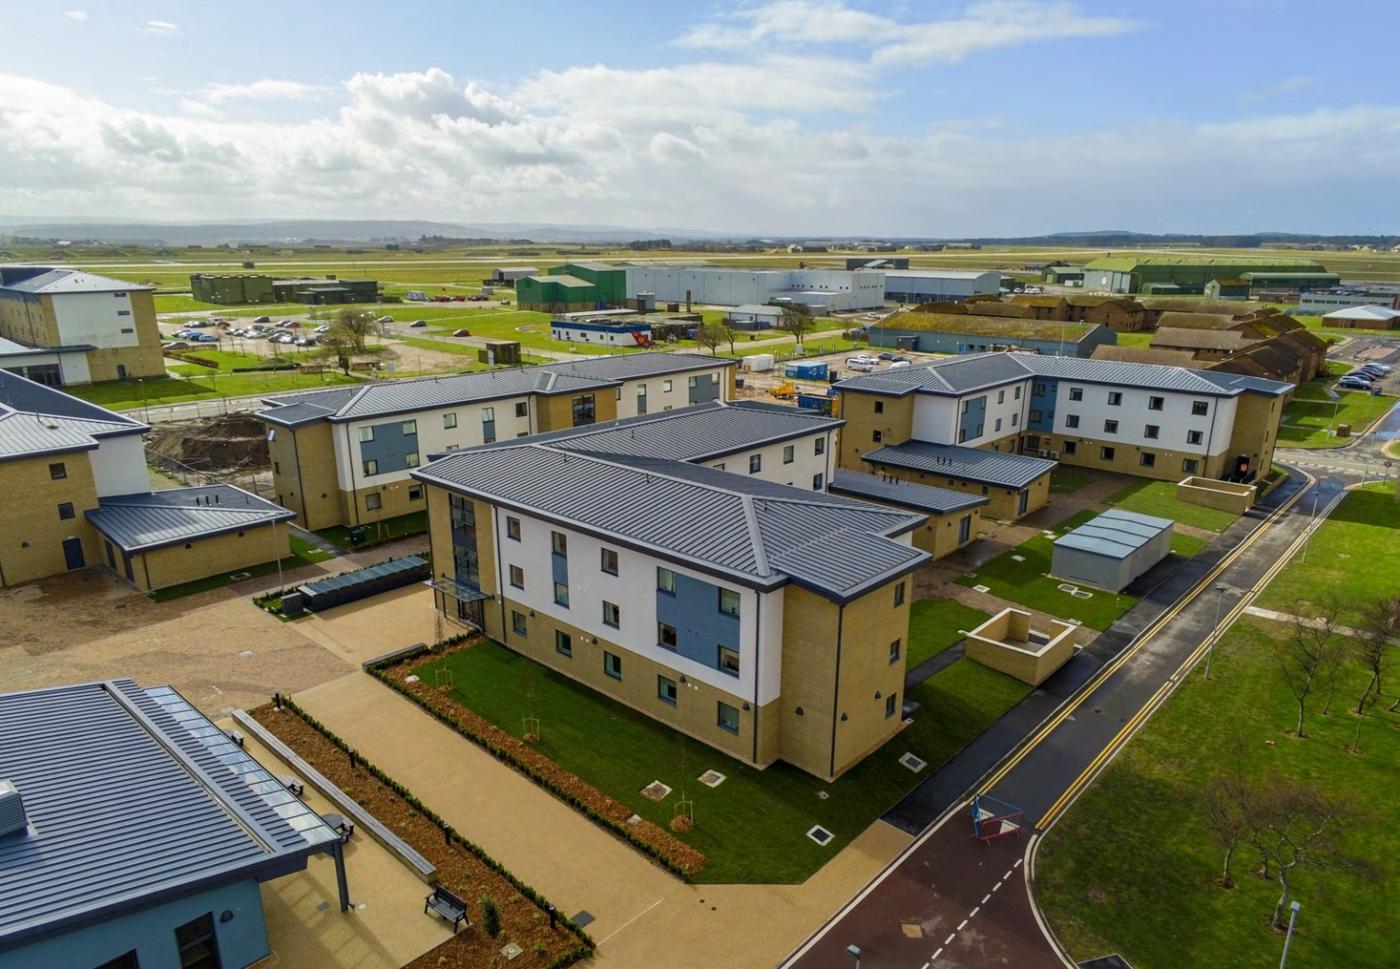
(1228,807)
(1379,621)
(796,320)
(1295,826)
(1307,652)
(358,323)
(710,336)
(731,334)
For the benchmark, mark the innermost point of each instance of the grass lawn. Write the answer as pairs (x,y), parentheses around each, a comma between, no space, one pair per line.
(227,360)
(303,553)
(752,828)
(1131,867)
(131,395)
(1354,556)
(1028,583)
(1134,339)
(1066,480)
(1159,498)
(936,624)
(1309,422)
(402,526)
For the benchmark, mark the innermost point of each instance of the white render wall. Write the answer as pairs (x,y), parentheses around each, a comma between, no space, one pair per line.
(659,398)
(119,466)
(93,318)
(1003,405)
(633,591)
(1133,415)
(805,462)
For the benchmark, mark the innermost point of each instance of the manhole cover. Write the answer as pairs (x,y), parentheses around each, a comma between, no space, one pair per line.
(511,950)
(1081,594)
(820,835)
(981,588)
(583,919)
(1018,558)
(1066,587)
(655,791)
(913,762)
(712,778)
(635,819)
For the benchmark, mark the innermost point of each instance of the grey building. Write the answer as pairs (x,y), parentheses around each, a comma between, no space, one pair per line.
(1112,550)
(967,333)
(939,285)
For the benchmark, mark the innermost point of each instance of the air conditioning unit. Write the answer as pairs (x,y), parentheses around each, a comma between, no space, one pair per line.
(1053,455)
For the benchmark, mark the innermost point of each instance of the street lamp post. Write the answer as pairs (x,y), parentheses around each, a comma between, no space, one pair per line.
(855,953)
(1215,632)
(1288,939)
(1311,525)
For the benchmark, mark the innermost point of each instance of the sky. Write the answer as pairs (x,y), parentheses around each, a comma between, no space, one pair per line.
(791,117)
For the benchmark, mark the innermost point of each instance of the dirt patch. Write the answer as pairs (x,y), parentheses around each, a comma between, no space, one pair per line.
(231,442)
(523,920)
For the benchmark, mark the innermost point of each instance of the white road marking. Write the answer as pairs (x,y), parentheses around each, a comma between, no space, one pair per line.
(1017,865)
(951,936)
(925,965)
(997,885)
(936,955)
(962,925)
(985,897)
(973,913)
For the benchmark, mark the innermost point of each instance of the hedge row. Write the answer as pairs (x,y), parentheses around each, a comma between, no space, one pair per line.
(586,943)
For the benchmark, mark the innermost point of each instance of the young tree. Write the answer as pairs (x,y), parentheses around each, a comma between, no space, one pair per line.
(341,344)
(796,320)
(1295,826)
(710,336)
(1379,621)
(731,334)
(1307,652)
(358,323)
(1228,813)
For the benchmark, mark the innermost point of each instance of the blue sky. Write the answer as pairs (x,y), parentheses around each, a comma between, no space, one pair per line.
(784,117)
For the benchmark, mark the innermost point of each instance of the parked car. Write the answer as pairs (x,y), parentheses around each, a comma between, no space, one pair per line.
(461,332)
(382,319)
(323,328)
(263,319)
(899,363)
(1362,375)
(861,358)
(886,355)
(864,366)
(1347,383)
(175,345)
(306,341)
(207,338)
(505,302)
(418,323)
(478,298)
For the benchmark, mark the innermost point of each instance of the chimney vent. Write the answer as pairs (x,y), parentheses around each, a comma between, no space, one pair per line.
(12,816)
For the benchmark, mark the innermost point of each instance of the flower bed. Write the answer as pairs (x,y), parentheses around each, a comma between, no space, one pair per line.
(660,844)
(463,867)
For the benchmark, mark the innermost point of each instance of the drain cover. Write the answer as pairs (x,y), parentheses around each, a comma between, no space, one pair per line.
(820,835)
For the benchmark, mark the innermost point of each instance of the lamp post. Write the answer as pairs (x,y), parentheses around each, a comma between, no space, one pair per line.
(1311,525)
(1215,632)
(855,953)
(1288,939)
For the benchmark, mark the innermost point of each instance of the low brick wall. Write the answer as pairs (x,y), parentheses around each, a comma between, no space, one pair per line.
(1220,495)
(1003,643)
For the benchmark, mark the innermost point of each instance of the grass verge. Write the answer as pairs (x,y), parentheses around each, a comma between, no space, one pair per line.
(1159,498)
(387,530)
(936,624)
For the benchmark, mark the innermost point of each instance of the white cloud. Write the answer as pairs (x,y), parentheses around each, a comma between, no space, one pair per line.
(77,15)
(267,89)
(1296,84)
(791,22)
(161,28)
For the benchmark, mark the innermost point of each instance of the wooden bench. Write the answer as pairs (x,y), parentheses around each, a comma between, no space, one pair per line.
(449,906)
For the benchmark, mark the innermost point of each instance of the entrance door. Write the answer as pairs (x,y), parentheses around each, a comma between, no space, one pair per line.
(73,553)
(1022,501)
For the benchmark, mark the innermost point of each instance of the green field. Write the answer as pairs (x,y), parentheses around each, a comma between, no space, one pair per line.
(1309,421)
(1132,868)
(1353,557)
(752,827)
(1159,498)
(207,385)
(936,624)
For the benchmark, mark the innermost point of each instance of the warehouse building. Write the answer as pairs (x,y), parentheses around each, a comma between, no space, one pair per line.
(1111,551)
(975,333)
(1063,275)
(135,833)
(87,328)
(1190,274)
(343,456)
(939,285)
(753,316)
(1364,317)
(508,276)
(822,290)
(1152,421)
(1318,303)
(233,289)
(573,287)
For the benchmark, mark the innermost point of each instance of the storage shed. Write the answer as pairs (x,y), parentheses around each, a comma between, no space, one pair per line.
(1112,550)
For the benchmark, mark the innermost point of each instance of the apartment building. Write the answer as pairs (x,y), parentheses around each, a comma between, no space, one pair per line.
(90,328)
(764,620)
(927,423)
(344,456)
(80,496)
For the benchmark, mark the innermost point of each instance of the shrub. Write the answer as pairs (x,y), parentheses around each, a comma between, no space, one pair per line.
(490,917)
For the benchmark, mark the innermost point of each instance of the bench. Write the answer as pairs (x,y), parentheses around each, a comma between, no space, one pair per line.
(449,906)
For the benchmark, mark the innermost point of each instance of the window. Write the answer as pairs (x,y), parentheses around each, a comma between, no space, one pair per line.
(559,543)
(997,427)
(1038,389)
(561,594)
(65,510)
(415,492)
(1071,420)
(728,717)
(366,435)
(408,428)
(563,643)
(449,421)
(819,446)
(1076,393)
(729,602)
(879,406)
(410,460)
(583,409)
(755,463)
(1015,419)
(513,529)
(728,661)
(488,415)
(58,471)
(666,690)
(127,960)
(1200,408)
(1068,447)
(894,651)
(1194,437)
(612,616)
(789,454)
(198,945)
(1189,465)
(1115,398)
(1035,416)
(1151,431)
(369,466)
(609,561)
(517,577)
(517,622)
(877,437)
(1017,394)
(1156,403)
(899,595)
(1106,454)
(666,635)
(1110,427)
(612,665)
(373,502)
(522,409)
(1001,396)
(891,705)
(818,480)
(1147,459)
(666,581)
(665,386)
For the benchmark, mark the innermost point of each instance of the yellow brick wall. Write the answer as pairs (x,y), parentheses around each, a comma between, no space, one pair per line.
(30,322)
(808,677)
(1126,460)
(1003,501)
(175,564)
(869,625)
(305,458)
(394,500)
(31,533)
(1255,432)
(857,437)
(939,535)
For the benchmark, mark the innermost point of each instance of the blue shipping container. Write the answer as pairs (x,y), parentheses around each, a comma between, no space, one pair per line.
(806,371)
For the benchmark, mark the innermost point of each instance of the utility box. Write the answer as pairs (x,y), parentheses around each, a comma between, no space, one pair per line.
(500,353)
(293,604)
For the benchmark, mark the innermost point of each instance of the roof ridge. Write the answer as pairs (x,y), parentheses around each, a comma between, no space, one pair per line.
(760,551)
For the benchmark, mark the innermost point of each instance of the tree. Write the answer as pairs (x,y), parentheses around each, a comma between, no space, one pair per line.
(1295,826)
(1379,621)
(731,334)
(358,323)
(710,336)
(1308,651)
(341,345)
(1229,810)
(796,320)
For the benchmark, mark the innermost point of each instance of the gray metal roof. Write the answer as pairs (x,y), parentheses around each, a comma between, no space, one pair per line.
(35,420)
(1115,533)
(388,397)
(965,374)
(147,521)
(905,494)
(49,280)
(133,798)
(967,463)
(755,532)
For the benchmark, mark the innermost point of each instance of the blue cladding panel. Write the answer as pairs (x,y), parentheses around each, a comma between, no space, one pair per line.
(559,567)
(389,446)
(973,419)
(700,627)
(702,388)
(1044,402)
